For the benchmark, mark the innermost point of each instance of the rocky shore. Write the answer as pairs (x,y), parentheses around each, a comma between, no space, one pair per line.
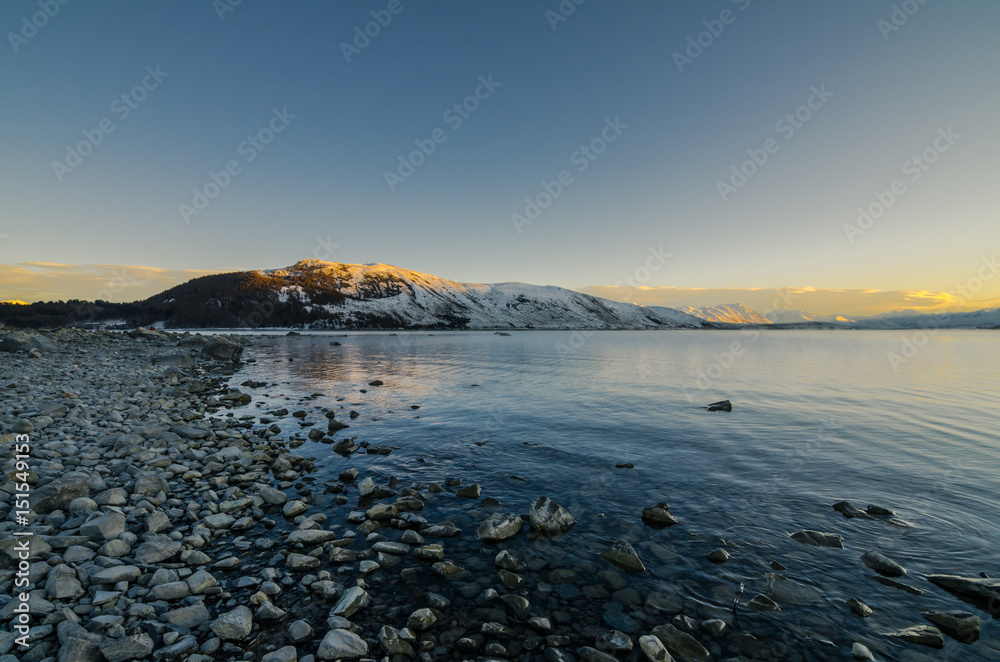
(173,519)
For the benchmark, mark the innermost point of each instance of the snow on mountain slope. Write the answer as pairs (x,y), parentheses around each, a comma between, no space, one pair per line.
(364,292)
(784,316)
(728,313)
(911,319)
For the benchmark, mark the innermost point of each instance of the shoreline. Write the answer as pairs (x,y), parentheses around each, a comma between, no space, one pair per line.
(181,524)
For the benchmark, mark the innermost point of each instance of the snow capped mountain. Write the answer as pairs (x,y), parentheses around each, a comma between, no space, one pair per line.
(319,294)
(987,318)
(783,316)
(727,313)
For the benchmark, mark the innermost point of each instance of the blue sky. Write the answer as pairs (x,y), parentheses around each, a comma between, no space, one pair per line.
(319,189)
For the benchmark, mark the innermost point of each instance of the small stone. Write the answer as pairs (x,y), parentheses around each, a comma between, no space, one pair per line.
(499,526)
(471,491)
(353,599)
(653,649)
(421,619)
(924,635)
(718,556)
(819,538)
(859,608)
(284,654)
(860,652)
(549,517)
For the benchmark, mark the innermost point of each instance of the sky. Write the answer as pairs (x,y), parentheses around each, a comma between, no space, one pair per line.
(697,152)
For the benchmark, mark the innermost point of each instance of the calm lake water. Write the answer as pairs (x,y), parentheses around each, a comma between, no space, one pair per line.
(818,417)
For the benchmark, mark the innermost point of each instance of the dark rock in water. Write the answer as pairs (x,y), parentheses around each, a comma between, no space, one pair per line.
(958,624)
(627,465)
(376,382)
(658,515)
(882,564)
(925,635)
(335,425)
(681,644)
(819,538)
(977,588)
(721,405)
(293,333)
(334,343)
(549,517)
(498,526)
(500,333)
(849,511)
(623,555)
(888,581)
(878,511)
(859,608)
(761,602)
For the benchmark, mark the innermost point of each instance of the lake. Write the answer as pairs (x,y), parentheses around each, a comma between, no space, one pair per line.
(818,417)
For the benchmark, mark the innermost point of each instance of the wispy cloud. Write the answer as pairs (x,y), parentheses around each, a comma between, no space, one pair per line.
(851,302)
(52,281)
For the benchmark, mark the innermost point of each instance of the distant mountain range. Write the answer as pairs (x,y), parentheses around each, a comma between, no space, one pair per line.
(727,313)
(331,295)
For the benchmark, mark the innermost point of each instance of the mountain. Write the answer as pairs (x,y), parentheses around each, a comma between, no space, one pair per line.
(318,294)
(987,318)
(727,313)
(783,316)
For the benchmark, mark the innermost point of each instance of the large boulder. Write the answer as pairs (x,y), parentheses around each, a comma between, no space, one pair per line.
(222,349)
(57,494)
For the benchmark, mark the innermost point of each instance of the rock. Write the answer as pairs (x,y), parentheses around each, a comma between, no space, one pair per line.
(499,526)
(200,581)
(623,555)
(272,496)
(895,583)
(819,538)
(860,652)
(353,599)
(170,591)
(925,635)
(104,527)
(310,537)
(721,405)
(653,649)
(469,491)
(681,644)
(150,484)
(392,644)
(588,654)
(284,654)
(115,574)
(790,591)
(962,625)
(613,641)
(658,515)
(549,517)
(302,562)
(341,645)
(188,617)
(234,625)
(714,626)
(718,556)
(422,619)
(156,549)
(882,564)
(219,521)
(83,647)
(859,608)
(294,508)
(980,588)
(221,349)
(136,647)
(299,631)
(63,584)
(879,511)
(849,511)
(57,494)
(761,602)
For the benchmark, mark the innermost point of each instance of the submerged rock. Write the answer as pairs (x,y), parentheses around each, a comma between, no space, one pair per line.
(549,517)
(658,515)
(882,564)
(925,635)
(849,511)
(623,555)
(980,588)
(961,625)
(721,405)
(819,538)
(499,526)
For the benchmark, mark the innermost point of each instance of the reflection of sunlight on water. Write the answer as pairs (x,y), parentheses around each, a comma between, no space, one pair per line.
(818,417)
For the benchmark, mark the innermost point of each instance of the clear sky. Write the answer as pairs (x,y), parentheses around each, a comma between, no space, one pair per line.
(669,101)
